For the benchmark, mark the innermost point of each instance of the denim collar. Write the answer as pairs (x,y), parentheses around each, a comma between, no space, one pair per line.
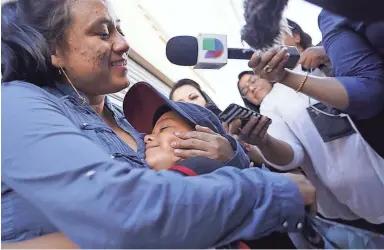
(68,90)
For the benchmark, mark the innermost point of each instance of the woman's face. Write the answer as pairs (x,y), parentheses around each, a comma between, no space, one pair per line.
(188,93)
(254,89)
(158,153)
(95,53)
(291,40)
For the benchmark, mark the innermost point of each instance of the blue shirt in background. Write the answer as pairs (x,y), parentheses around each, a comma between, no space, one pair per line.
(356,51)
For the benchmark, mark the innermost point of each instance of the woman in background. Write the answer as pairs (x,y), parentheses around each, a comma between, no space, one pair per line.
(246,76)
(187,90)
(311,57)
(295,36)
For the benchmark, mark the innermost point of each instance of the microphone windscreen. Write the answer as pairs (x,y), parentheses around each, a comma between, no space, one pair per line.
(182,50)
(263,22)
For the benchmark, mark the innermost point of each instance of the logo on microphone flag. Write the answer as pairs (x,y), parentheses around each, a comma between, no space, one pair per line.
(214,48)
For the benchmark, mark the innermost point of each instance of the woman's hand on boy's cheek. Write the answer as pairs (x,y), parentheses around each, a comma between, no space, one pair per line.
(203,142)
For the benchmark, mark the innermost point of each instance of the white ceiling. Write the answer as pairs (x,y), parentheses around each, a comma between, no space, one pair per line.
(150,23)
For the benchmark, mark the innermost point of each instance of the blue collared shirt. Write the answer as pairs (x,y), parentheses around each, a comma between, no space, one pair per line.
(63,169)
(356,51)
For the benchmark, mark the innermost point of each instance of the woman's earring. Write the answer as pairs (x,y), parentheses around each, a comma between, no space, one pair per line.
(83,100)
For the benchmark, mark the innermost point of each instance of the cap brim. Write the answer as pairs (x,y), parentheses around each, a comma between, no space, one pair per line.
(141,103)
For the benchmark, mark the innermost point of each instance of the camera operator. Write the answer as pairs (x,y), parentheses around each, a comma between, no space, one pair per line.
(311,57)
(358,86)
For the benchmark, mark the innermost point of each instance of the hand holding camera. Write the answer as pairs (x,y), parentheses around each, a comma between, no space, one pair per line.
(246,125)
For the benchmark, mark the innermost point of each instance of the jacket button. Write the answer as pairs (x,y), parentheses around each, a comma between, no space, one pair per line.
(90,173)
(299,225)
(112,156)
(285,224)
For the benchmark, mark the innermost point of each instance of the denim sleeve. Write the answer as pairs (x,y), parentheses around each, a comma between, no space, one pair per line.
(102,203)
(356,65)
(240,159)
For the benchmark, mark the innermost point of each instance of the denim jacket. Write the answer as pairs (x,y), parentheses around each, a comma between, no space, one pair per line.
(63,169)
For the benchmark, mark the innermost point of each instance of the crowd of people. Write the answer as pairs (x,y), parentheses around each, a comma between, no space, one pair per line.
(164,172)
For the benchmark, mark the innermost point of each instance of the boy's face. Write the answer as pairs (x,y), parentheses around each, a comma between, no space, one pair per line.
(159,154)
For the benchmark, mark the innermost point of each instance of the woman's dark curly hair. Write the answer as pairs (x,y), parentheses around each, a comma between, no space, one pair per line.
(30,31)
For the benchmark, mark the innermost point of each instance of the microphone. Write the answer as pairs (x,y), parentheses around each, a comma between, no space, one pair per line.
(211,52)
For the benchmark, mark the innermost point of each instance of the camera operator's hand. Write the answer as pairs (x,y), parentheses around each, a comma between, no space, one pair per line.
(307,190)
(254,131)
(271,64)
(313,57)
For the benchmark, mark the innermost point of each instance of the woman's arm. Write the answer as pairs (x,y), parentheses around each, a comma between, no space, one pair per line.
(325,89)
(278,153)
(98,202)
(278,146)
(357,65)
(255,155)
(358,87)
(49,241)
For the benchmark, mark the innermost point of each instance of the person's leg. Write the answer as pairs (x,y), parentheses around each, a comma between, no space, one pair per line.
(361,223)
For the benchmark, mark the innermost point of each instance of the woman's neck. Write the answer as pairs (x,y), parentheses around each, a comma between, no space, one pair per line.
(97,103)
(299,48)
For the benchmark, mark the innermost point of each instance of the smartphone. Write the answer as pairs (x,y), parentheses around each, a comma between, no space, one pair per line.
(234,111)
(294,57)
